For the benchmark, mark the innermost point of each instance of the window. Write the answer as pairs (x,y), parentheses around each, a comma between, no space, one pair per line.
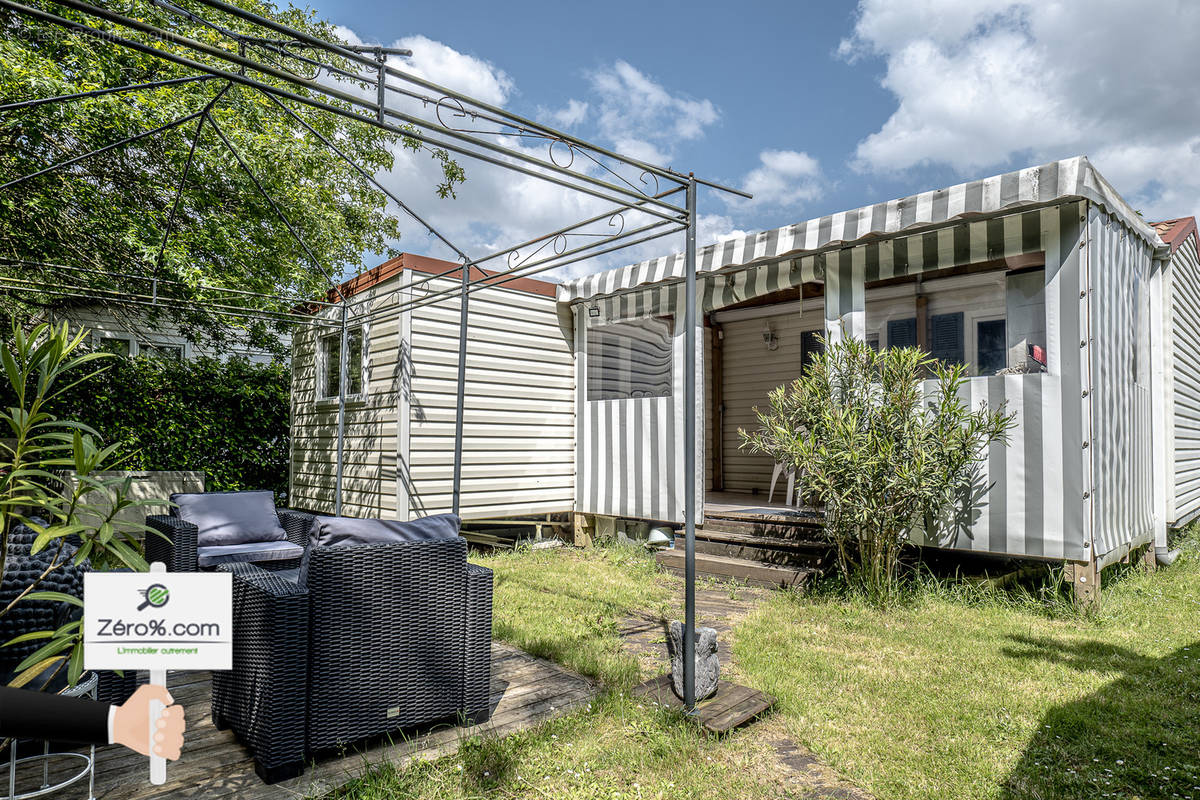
(116,346)
(946,337)
(169,352)
(943,335)
(331,359)
(991,350)
(630,359)
(1025,304)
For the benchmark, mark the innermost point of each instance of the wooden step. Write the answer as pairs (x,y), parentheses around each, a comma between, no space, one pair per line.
(799,540)
(803,526)
(759,548)
(753,573)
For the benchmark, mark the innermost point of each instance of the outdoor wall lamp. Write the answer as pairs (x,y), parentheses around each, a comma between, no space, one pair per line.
(769,337)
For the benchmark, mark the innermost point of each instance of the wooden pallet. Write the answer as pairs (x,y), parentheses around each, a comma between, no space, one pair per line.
(732,706)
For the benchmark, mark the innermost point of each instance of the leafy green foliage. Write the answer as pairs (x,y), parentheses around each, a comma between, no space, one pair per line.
(228,419)
(881,458)
(40,368)
(109,212)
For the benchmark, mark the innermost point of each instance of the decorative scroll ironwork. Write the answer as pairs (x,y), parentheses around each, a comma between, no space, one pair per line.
(559,241)
(511,129)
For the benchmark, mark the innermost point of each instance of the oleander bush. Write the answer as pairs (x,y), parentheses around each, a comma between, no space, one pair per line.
(878,454)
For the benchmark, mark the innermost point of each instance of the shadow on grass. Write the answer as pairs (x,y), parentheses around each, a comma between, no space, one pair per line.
(1138,736)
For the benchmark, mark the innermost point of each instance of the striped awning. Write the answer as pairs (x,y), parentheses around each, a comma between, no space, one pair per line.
(1058,181)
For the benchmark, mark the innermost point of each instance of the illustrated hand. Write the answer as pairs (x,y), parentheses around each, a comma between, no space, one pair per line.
(129,723)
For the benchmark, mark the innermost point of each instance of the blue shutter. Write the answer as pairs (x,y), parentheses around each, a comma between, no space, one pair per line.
(810,346)
(946,337)
(902,332)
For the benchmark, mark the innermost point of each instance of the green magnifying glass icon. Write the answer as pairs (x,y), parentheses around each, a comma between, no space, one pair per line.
(155,595)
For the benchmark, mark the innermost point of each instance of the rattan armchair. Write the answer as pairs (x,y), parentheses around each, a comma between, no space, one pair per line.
(173,541)
(369,639)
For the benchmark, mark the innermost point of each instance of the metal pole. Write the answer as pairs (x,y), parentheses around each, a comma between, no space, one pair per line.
(380,89)
(689,454)
(341,430)
(462,386)
(131,87)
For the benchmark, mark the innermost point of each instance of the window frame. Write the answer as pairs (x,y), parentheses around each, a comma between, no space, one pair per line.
(322,360)
(100,337)
(971,320)
(154,350)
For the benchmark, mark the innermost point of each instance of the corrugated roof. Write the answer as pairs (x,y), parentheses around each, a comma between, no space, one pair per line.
(1058,181)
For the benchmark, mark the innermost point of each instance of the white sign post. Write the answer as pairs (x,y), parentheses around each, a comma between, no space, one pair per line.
(157,621)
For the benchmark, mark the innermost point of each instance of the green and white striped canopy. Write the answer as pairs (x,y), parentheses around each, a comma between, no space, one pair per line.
(1049,184)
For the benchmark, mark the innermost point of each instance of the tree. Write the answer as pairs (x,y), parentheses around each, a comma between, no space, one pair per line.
(879,456)
(109,212)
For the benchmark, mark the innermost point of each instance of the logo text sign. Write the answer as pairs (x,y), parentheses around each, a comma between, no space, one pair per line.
(158,620)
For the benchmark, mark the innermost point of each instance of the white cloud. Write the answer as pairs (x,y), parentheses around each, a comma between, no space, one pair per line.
(981,84)
(498,208)
(445,66)
(783,178)
(641,118)
(716,228)
(570,115)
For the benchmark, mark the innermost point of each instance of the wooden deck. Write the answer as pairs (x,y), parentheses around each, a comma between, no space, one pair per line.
(743,505)
(525,691)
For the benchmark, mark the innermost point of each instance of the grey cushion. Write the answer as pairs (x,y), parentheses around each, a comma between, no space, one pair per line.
(346,531)
(225,518)
(252,551)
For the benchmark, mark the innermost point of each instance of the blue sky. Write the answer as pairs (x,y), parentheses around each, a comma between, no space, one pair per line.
(817,107)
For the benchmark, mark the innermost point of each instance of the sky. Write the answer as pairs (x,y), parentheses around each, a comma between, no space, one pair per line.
(813,107)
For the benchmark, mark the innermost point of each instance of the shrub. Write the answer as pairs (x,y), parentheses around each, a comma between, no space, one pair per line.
(228,419)
(880,457)
(73,522)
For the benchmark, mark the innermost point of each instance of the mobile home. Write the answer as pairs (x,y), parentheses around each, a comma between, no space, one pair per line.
(402,371)
(1065,304)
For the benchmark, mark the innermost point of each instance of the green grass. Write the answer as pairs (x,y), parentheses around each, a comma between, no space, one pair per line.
(566,605)
(967,694)
(960,692)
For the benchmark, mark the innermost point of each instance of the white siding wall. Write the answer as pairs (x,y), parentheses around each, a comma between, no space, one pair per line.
(518,450)
(369,476)
(519,428)
(1184,293)
(751,371)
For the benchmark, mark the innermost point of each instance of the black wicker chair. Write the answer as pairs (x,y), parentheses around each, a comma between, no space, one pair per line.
(23,569)
(173,541)
(369,639)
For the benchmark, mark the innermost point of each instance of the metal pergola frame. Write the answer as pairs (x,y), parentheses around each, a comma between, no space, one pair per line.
(462,125)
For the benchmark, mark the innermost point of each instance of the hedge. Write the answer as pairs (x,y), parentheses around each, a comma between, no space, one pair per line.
(227,419)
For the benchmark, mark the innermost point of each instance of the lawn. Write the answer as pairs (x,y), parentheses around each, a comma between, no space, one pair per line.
(957,693)
(982,697)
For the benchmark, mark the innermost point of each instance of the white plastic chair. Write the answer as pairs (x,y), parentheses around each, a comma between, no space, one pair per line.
(780,469)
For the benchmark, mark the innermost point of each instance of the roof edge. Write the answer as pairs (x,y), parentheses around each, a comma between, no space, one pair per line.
(1174,232)
(434,266)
